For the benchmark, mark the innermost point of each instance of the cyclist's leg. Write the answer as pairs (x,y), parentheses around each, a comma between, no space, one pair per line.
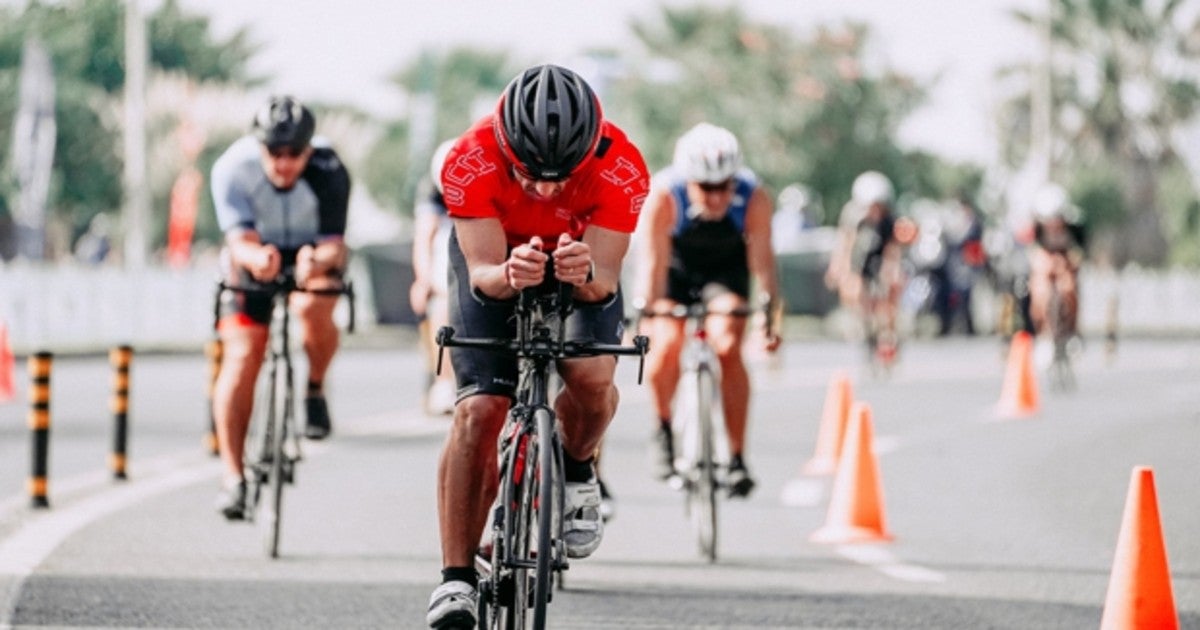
(662,359)
(467,477)
(318,332)
(244,343)
(726,335)
(589,398)
(244,330)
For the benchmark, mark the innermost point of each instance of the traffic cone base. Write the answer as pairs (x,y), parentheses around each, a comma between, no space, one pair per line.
(1139,589)
(1019,395)
(838,399)
(856,512)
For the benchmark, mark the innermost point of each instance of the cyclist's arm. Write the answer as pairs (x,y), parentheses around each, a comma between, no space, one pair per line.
(658,215)
(247,250)
(484,246)
(759,255)
(608,248)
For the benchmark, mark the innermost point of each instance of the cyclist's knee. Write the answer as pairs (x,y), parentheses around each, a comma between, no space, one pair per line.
(727,345)
(478,418)
(314,309)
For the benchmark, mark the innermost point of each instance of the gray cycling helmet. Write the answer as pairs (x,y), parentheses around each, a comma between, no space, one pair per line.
(284,122)
(548,122)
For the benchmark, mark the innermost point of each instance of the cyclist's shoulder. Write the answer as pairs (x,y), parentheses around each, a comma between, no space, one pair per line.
(242,158)
(324,158)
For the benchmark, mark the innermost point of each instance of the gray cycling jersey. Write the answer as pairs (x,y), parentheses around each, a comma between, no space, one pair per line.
(313,209)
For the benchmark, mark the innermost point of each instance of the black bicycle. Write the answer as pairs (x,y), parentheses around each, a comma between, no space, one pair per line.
(527,549)
(273,443)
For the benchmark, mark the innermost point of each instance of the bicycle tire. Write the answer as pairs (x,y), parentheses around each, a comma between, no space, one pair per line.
(521,562)
(546,477)
(1062,373)
(704,490)
(281,404)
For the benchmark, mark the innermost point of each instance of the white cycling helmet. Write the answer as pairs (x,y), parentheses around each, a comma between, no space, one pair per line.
(872,187)
(437,161)
(708,154)
(1051,202)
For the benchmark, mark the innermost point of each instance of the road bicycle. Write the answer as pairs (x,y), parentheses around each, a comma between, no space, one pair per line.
(1060,316)
(273,442)
(697,470)
(527,548)
(880,326)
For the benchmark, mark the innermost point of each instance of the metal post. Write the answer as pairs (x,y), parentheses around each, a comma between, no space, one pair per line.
(39,425)
(136,190)
(214,350)
(120,358)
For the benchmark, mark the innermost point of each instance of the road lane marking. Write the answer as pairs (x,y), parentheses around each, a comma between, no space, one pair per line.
(29,546)
(885,562)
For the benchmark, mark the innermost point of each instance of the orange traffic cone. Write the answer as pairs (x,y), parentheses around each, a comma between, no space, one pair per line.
(7,388)
(856,510)
(1019,396)
(1139,589)
(838,398)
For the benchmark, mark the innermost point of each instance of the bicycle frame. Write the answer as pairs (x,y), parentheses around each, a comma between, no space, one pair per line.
(532,486)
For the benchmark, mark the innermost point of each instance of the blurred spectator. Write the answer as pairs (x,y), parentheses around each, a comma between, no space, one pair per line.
(799,208)
(963,239)
(93,246)
(427,295)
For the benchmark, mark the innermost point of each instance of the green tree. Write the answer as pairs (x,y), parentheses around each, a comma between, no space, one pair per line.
(1118,95)
(806,110)
(85,39)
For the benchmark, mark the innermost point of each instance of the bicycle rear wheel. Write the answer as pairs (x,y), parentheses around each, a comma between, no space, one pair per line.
(272,508)
(702,497)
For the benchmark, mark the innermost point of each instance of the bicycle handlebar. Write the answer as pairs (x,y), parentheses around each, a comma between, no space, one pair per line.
(283,285)
(542,341)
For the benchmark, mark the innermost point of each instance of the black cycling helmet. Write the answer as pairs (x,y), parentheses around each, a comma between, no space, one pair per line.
(284,122)
(548,122)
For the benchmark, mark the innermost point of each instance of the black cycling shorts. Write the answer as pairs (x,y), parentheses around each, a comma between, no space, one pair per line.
(248,308)
(693,288)
(476,316)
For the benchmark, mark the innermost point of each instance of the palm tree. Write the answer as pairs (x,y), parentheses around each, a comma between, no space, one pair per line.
(1122,85)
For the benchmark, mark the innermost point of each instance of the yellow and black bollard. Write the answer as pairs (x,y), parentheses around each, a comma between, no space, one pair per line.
(119,358)
(214,350)
(39,424)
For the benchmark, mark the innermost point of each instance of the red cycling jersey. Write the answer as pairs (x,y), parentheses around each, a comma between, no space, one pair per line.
(606,191)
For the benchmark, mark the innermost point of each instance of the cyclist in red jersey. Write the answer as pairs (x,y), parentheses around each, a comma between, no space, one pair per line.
(542,187)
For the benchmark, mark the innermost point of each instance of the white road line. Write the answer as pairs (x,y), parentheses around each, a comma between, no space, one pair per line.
(30,545)
(882,560)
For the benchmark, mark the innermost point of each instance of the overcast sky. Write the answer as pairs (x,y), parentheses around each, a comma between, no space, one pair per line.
(343,50)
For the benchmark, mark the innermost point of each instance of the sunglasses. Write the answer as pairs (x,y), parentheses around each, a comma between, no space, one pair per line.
(717,187)
(284,151)
(526,175)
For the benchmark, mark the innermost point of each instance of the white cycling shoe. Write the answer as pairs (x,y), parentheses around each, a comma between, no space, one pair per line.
(453,605)
(583,526)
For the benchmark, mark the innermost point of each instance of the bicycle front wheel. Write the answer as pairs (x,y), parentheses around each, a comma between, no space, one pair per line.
(272,508)
(547,509)
(703,496)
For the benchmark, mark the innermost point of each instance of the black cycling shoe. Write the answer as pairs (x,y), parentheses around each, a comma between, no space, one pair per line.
(231,501)
(664,453)
(318,424)
(739,481)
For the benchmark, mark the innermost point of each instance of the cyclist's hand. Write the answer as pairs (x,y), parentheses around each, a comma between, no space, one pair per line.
(526,265)
(265,264)
(572,261)
(772,341)
(305,264)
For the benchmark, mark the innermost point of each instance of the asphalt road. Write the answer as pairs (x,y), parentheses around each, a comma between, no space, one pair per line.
(996,523)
